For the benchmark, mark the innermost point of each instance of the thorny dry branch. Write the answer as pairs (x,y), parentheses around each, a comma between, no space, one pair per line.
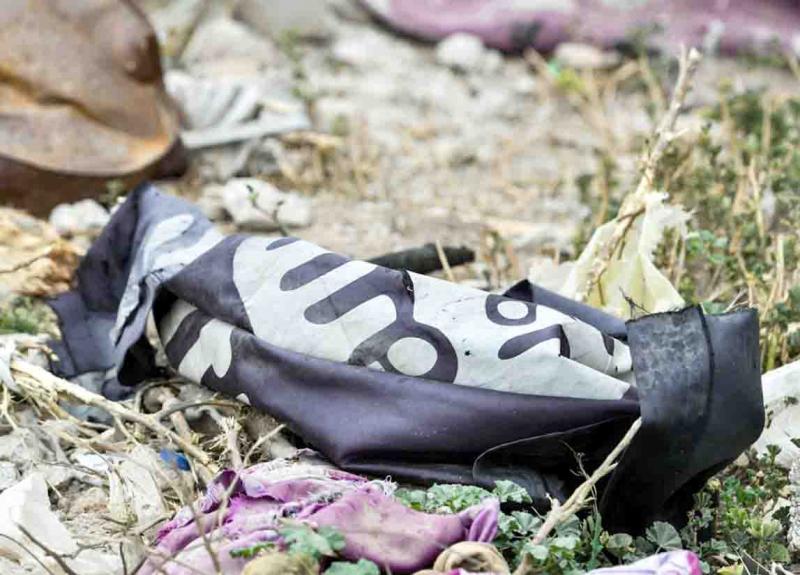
(580,497)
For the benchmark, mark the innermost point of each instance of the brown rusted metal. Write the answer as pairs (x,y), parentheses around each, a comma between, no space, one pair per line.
(82,101)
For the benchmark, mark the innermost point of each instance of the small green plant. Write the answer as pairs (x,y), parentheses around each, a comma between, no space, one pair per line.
(739,177)
(739,516)
(315,543)
(253,550)
(736,521)
(23,315)
(363,567)
(299,539)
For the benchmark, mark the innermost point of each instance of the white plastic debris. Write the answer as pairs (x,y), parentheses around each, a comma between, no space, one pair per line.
(632,277)
(461,51)
(134,492)
(26,504)
(207,102)
(26,507)
(782,403)
(8,475)
(81,217)
(258,205)
(226,110)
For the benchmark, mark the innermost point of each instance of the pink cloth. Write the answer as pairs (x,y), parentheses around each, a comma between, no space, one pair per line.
(727,25)
(374,525)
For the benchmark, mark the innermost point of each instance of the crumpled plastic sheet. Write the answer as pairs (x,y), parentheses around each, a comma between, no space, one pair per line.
(632,276)
(244,509)
(392,373)
(733,26)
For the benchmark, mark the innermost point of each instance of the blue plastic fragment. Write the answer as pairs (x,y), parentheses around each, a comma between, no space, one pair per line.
(175,458)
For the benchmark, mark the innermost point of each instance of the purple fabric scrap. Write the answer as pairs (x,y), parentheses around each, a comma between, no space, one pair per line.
(374,525)
(726,26)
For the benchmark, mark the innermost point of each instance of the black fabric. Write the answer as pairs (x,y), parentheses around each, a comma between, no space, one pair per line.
(697,378)
(608,324)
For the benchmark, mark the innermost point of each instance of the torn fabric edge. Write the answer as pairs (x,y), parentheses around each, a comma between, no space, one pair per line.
(282,321)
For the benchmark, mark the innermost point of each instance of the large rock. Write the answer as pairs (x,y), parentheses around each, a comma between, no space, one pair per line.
(85,216)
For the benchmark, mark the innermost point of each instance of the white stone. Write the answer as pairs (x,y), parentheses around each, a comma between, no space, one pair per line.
(80,217)
(258,205)
(210,202)
(781,394)
(463,52)
(368,49)
(307,18)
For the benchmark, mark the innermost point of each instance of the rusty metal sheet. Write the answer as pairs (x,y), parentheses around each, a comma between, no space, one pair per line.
(82,100)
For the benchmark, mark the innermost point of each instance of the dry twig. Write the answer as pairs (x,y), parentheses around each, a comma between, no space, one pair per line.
(38,381)
(580,497)
(633,205)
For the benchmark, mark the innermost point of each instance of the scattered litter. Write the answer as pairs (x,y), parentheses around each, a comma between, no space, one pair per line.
(631,283)
(426,259)
(174,459)
(80,109)
(207,102)
(229,110)
(34,260)
(385,371)
(258,205)
(134,493)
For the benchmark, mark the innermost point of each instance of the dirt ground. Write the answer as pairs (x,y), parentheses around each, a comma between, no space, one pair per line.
(431,153)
